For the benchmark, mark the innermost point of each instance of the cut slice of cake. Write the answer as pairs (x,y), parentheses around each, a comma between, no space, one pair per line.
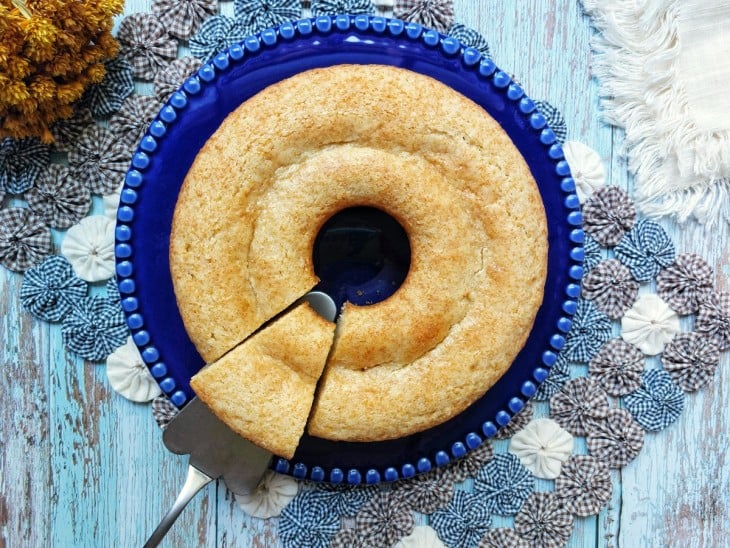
(264,388)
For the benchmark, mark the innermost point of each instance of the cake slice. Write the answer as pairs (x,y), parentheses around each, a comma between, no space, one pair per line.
(263,389)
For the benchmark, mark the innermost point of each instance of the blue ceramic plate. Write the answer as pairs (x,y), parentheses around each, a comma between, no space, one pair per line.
(195,111)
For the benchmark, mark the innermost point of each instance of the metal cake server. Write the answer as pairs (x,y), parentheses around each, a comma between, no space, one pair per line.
(215,450)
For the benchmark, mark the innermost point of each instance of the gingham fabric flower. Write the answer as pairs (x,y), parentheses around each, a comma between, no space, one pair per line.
(422,536)
(24,239)
(470,38)
(464,521)
(586,168)
(608,214)
(271,495)
(105,98)
(21,162)
(343,500)
(100,160)
(555,120)
(504,484)
(611,288)
(112,290)
(146,44)
(59,199)
(544,521)
(257,15)
(305,522)
(50,288)
(94,328)
(713,319)
(169,79)
(591,328)
(128,374)
(163,411)
(89,247)
(130,123)
(649,324)
(542,447)
(384,519)
(216,34)
(657,403)
(617,367)
(685,284)
(584,485)
(556,379)
(348,538)
(334,7)
(433,14)
(617,440)
(182,18)
(579,405)
(427,493)
(469,465)
(517,423)
(645,249)
(591,253)
(67,132)
(691,360)
(503,537)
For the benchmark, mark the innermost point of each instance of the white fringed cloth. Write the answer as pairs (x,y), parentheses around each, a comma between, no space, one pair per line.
(664,71)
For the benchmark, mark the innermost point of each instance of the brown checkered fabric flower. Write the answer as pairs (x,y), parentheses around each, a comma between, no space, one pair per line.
(130,123)
(611,288)
(427,493)
(584,485)
(579,405)
(67,132)
(617,440)
(691,360)
(713,319)
(169,79)
(518,422)
(146,44)
(617,367)
(59,199)
(685,284)
(608,214)
(434,14)
(468,466)
(24,238)
(544,521)
(182,18)
(347,538)
(99,160)
(163,411)
(503,537)
(384,519)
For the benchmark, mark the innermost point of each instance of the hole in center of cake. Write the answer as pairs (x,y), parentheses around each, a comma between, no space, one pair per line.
(361,255)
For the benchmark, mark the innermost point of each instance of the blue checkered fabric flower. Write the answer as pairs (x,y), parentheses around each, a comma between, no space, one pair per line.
(427,493)
(645,249)
(433,14)
(464,521)
(504,484)
(591,328)
(257,15)
(24,238)
(657,403)
(469,465)
(470,38)
(112,290)
(94,328)
(21,162)
(579,405)
(555,119)
(384,520)
(105,98)
(51,288)
(591,253)
(333,7)
(343,500)
(306,522)
(216,34)
(556,379)
(544,521)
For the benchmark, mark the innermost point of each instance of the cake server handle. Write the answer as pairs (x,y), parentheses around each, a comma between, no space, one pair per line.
(194,482)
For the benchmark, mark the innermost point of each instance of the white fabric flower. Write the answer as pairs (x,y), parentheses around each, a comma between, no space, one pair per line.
(111,203)
(89,247)
(586,168)
(542,446)
(273,493)
(422,536)
(649,324)
(128,374)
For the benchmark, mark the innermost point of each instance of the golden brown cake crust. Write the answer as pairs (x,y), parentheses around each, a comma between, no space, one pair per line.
(327,139)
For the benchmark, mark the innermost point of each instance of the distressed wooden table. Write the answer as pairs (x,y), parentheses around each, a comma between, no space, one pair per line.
(81,466)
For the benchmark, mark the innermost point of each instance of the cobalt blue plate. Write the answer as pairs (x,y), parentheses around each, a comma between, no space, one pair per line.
(195,111)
